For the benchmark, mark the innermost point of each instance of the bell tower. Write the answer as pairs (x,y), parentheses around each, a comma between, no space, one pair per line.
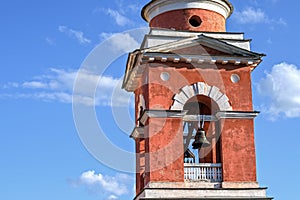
(194,131)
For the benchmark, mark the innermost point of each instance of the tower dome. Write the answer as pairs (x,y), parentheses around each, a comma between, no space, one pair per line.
(190,15)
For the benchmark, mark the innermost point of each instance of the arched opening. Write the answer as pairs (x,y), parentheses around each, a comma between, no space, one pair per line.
(201,101)
(202,163)
(201,110)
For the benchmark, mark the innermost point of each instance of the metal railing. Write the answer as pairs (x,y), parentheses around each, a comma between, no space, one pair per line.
(208,172)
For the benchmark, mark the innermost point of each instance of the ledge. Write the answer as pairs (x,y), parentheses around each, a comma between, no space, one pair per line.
(161,114)
(161,192)
(138,132)
(237,114)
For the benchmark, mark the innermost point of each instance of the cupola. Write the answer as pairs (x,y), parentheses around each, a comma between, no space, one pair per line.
(190,15)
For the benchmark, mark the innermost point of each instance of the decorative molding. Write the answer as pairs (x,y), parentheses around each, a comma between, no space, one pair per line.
(161,190)
(161,114)
(176,58)
(201,88)
(240,185)
(140,59)
(157,7)
(237,114)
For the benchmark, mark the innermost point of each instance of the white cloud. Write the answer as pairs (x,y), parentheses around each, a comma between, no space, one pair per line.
(78,35)
(34,84)
(120,19)
(282,22)
(125,6)
(9,85)
(121,11)
(57,85)
(250,15)
(50,41)
(113,186)
(121,41)
(112,197)
(282,88)
(107,93)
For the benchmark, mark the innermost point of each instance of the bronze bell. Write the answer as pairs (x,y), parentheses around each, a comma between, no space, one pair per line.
(200,139)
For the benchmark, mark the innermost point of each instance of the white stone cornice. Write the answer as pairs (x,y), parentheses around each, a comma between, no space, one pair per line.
(226,59)
(157,7)
(237,114)
(161,114)
(200,190)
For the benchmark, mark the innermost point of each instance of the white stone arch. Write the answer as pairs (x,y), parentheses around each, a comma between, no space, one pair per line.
(201,88)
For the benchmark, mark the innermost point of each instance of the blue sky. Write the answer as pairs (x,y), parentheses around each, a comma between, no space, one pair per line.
(44,44)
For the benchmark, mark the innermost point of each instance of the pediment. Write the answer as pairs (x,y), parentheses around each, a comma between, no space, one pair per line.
(202,45)
(198,49)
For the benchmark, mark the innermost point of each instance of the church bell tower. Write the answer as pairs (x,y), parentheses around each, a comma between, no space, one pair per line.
(191,79)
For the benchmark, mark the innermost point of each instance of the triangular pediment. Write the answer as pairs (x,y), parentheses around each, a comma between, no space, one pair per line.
(202,45)
(198,49)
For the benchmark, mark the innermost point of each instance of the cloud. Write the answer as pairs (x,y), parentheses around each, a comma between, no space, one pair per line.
(252,15)
(120,19)
(57,86)
(50,41)
(281,87)
(9,85)
(122,9)
(78,35)
(112,197)
(34,84)
(112,186)
(121,41)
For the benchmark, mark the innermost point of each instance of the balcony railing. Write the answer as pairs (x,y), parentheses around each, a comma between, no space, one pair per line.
(207,172)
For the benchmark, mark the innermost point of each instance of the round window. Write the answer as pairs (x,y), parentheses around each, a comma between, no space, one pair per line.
(165,76)
(195,21)
(235,78)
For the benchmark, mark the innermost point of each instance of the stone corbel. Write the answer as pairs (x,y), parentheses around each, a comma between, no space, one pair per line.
(137,133)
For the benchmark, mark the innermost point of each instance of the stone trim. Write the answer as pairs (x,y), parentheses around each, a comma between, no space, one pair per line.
(201,88)
(233,185)
(199,59)
(237,114)
(161,192)
(161,114)
(157,7)
(138,132)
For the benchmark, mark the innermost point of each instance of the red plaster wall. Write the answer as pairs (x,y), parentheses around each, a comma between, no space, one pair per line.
(161,92)
(165,148)
(140,164)
(179,20)
(238,151)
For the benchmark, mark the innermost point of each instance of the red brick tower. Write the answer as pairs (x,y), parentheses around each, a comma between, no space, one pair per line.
(195,121)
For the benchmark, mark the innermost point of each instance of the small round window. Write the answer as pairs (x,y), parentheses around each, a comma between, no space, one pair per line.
(235,78)
(195,21)
(165,76)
